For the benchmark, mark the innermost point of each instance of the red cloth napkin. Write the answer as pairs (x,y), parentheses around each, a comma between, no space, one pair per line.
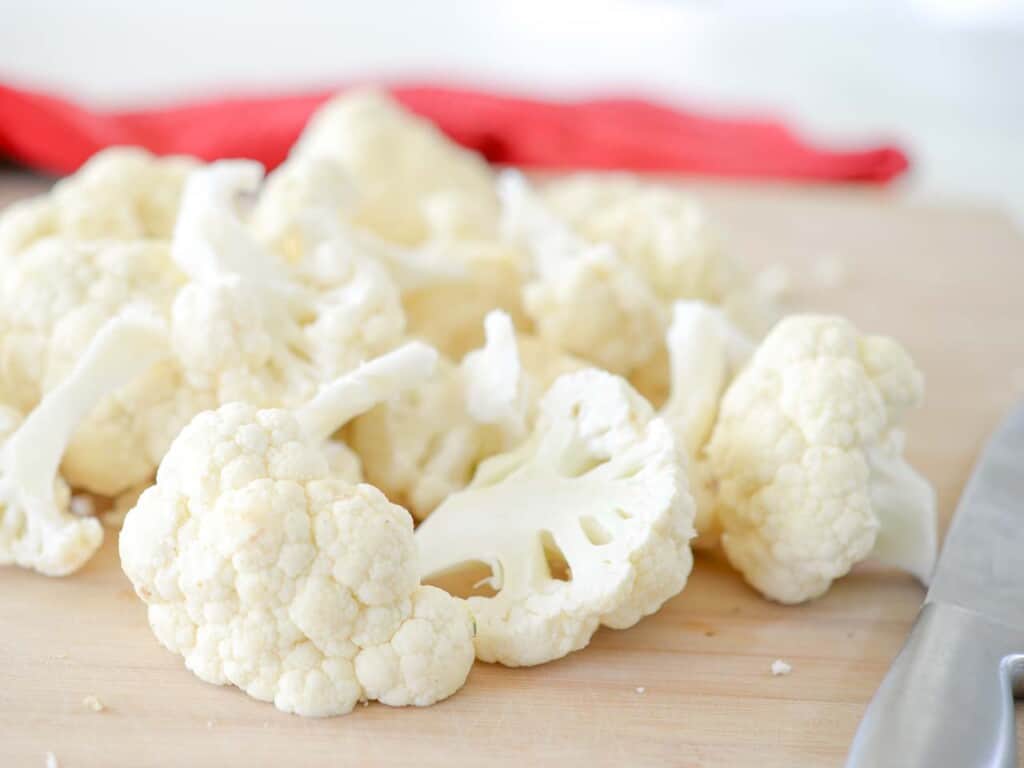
(52,134)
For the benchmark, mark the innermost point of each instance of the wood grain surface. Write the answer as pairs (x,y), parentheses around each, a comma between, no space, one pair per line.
(690,686)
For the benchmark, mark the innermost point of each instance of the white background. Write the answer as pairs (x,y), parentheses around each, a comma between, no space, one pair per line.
(943,77)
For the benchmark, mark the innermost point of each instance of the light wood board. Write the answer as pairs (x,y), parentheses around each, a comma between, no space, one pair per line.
(948,282)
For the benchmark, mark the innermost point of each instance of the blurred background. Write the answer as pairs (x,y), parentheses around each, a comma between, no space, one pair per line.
(943,79)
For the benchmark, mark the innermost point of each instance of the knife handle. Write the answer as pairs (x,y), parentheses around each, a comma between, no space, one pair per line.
(948,698)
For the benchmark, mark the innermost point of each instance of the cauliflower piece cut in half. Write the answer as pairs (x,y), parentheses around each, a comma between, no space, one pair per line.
(705,352)
(405,172)
(122,193)
(37,529)
(582,297)
(425,444)
(265,570)
(588,522)
(807,456)
(252,328)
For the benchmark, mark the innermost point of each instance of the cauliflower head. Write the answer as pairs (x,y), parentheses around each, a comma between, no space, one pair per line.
(806,455)
(265,571)
(123,193)
(407,176)
(582,298)
(588,522)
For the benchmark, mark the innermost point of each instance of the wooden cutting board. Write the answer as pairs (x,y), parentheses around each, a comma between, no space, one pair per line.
(690,686)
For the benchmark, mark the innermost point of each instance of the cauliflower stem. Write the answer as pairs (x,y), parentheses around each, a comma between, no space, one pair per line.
(37,530)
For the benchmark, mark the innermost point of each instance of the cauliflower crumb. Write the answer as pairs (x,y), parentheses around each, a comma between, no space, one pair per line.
(93,702)
(51,760)
(641,689)
(779,667)
(210,724)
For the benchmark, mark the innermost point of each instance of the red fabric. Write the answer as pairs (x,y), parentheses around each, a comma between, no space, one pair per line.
(56,135)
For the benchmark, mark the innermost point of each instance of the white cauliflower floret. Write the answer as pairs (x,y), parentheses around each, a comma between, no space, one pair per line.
(123,193)
(447,283)
(705,352)
(306,199)
(309,200)
(666,236)
(582,297)
(265,571)
(37,529)
(425,444)
(53,298)
(806,454)
(597,486)
(406,174)
(254,329)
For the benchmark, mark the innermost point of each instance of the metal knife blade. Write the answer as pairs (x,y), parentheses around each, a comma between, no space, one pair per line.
(982,563)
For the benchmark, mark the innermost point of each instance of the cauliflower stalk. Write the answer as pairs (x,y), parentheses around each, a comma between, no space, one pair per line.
(582,297)
(597,486)
(266,571)
(37,529)
(705,351)
(807,456)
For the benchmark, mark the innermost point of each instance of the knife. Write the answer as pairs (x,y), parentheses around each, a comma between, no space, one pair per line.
(948,698)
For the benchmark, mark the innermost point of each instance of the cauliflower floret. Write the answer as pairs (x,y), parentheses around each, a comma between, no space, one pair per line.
(55,296)
(53,299)
(309,200)
(405,172)
(254,329)
(37,529)
(582,298)
(305,200)
(448,283)
(265,571)
(424,445)
(123,193)
(597,487)
(666,237)
(806,454)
